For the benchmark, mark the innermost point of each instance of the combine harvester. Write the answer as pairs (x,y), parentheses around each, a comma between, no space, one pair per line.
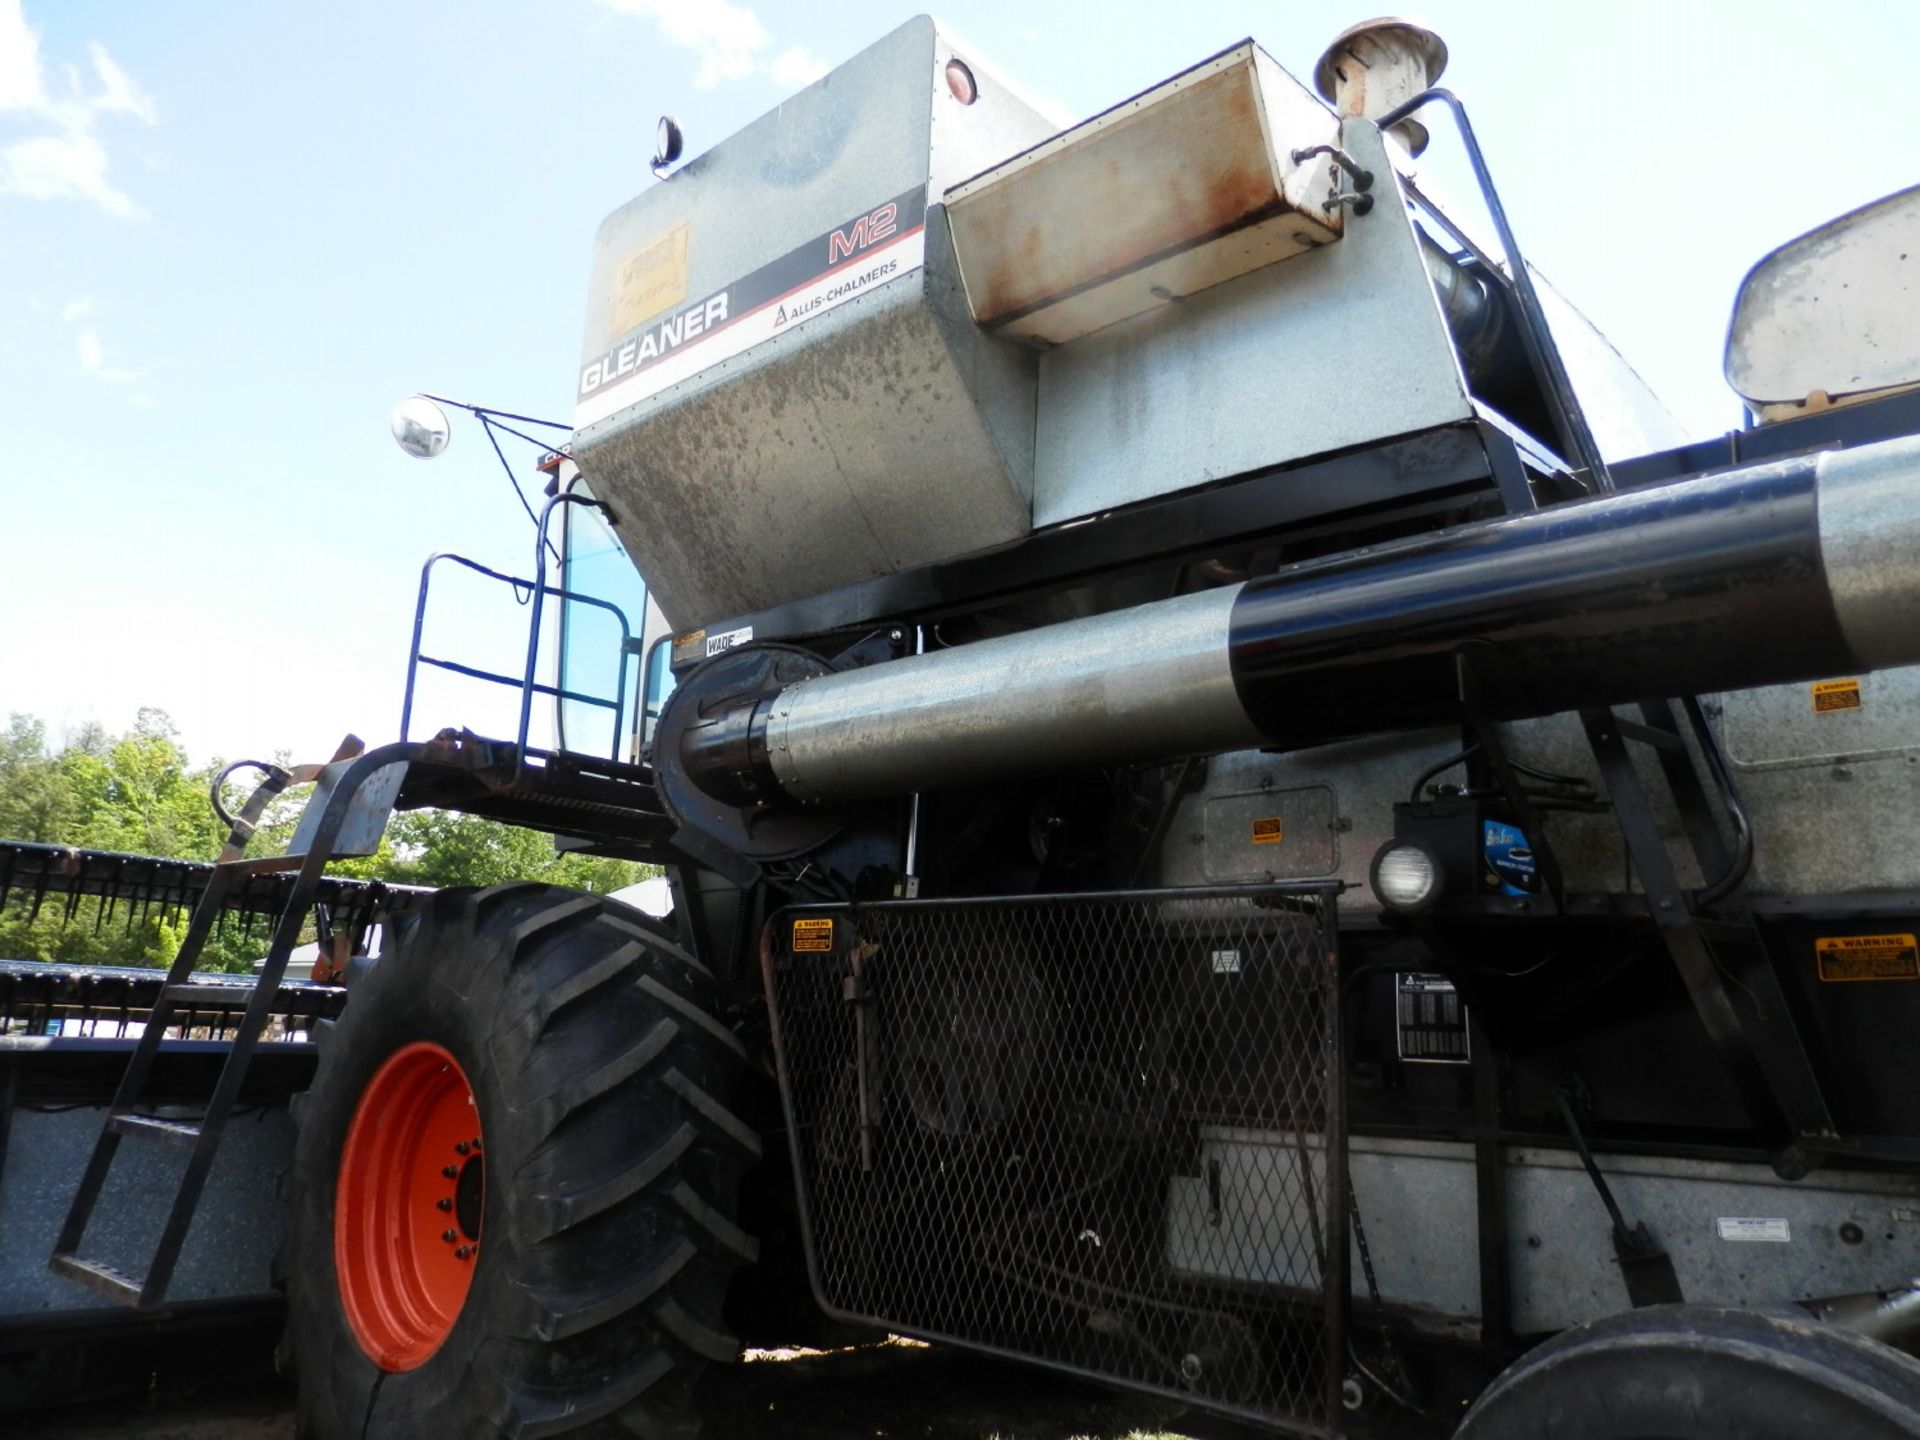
(1246,820)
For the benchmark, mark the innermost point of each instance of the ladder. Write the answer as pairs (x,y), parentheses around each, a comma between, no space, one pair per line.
(1712,940)
(353,795)
(1722,960)
(1755,1036)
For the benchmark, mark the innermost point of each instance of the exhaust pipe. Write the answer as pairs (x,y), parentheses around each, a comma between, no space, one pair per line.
(1788,571)
(1376,67)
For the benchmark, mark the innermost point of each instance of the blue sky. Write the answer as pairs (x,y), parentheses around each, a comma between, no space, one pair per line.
(232,235)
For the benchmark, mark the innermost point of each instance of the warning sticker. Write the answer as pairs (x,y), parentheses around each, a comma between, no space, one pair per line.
(812,936)
(1867,957)
(1750,1229)
(1267,830)
(1832,695)
(1429,1020)
(651,279)
(689,647)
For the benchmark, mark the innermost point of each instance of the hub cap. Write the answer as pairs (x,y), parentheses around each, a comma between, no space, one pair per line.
(409,1205)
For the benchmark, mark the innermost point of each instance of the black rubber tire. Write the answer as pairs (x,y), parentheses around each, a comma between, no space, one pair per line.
(1696,1372)
(606,1087)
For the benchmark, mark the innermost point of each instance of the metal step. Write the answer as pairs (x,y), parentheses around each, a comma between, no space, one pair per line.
(209,995)
(262,864)
(98,1275)
(356,787)
(183,1133)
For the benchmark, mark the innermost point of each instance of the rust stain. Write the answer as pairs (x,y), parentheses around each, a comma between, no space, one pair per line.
(1082,214)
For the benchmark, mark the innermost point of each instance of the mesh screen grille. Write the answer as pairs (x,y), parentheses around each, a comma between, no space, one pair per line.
(1088,1130)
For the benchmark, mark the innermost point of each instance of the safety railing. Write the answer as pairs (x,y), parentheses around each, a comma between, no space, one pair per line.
(537,590)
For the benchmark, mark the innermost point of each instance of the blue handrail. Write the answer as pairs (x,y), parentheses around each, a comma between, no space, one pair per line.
(538,588)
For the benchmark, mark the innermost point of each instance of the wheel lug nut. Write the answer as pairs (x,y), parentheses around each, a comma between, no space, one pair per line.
(443,1204)
(476,1142)
(465,1252)
(461,1147)
(452,1172)
(449,1236)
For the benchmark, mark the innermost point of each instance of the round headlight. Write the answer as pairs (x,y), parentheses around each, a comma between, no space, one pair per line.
(668,142)
(1406,875)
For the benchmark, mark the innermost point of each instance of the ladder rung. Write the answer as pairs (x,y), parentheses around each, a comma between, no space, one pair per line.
(262,864)
(209,997)
(178,1132)
(98,1275)
(1649,735)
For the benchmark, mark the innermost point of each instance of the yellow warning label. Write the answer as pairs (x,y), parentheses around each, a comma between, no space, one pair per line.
(651,279)
(1831,695)
(1867,957)
(690,646)
(1267,831)
(812,936)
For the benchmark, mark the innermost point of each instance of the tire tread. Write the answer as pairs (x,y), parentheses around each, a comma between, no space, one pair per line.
(603,1032)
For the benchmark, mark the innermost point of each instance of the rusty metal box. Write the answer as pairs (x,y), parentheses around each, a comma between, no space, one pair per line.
(1176,190)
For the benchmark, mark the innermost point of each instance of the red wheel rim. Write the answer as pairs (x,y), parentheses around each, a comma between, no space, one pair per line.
(408,1206)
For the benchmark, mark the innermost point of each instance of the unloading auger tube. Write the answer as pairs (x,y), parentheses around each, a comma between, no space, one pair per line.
(1769,574)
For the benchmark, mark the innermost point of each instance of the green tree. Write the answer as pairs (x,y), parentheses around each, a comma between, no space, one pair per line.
(36,801)
(442,848)
(139,793)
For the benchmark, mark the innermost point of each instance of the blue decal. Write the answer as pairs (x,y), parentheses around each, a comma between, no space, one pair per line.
(1509,859)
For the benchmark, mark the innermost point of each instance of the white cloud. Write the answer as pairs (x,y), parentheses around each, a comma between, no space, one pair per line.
(62,167)
(90,350)
(728,40)
(93,360)
(118,91)
(20,84)
(63,159)
(796,67)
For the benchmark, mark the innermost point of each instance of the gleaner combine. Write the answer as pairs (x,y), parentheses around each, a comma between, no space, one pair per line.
(1245,819)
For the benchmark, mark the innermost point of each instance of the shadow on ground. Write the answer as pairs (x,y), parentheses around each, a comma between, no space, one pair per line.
(913,1392)
(874,1392)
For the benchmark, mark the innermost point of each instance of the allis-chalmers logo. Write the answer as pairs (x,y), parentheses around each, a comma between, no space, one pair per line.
(868,230)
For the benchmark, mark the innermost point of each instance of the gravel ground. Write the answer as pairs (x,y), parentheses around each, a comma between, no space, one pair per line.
(893,1391)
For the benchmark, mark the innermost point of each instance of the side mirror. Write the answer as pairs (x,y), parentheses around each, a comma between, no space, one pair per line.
(1832,315)
(420,427)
